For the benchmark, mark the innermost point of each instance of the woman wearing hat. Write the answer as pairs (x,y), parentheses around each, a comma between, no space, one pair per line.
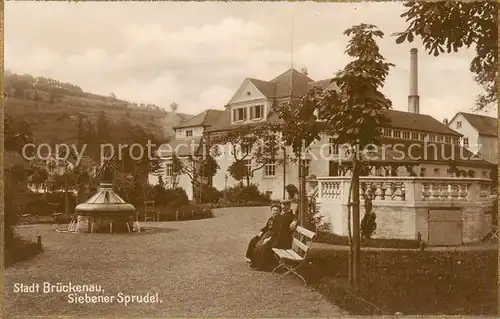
(287,223)
(260,245)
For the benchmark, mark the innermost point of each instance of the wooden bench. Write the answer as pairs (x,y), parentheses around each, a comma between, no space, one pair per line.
(290,259)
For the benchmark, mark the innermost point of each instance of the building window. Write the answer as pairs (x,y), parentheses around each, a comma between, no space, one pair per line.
(424,136)
(248,164)
(459,124)
(387,132)
(239,114)
(307,165)
(246,149)
(414,136)
(406,135)
(466,142)
(447,140)
(436,171)
(485,174)
(334,148)
(257,112)
(168,170)
(397,133)
(422,171)
(270,169)
(189,133)
(432,137)
(440,139)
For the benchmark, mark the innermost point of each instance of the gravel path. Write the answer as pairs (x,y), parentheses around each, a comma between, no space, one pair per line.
(196,267)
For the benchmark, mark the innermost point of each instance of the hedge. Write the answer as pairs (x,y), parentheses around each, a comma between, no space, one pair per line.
(412,281)
(329,238)
(19,250)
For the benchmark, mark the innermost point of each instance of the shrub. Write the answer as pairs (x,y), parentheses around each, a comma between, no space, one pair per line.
(441,274)
(333,239)
(186,211)
(209,194)
(242,195)
(292,190)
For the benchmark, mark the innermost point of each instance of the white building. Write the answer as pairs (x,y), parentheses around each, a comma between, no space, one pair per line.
(424,181)
(479,134)
(187,144)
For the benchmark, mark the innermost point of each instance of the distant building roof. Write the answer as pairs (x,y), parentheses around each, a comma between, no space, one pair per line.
(485,125)
(206,118)
(418,122)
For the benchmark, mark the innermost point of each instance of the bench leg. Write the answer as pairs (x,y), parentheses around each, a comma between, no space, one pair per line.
(281,264)
(293,270)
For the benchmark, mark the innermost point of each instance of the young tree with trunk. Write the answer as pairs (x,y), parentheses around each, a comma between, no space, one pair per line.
(248,142)
(446,26)
(355,113)
(299,128)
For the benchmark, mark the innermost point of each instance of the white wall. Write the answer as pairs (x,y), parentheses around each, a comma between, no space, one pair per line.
(181,132)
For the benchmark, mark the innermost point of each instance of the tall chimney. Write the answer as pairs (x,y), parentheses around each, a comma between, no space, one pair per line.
(413,98)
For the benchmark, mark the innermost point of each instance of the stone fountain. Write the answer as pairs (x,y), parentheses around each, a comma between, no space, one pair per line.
(105,211)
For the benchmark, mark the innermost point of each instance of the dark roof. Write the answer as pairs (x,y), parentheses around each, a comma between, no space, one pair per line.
(265,87)
(485,125)
(206,118)
(415,152)
(398,119)
(300,85)
(418,122)
(181,147)
(291,83)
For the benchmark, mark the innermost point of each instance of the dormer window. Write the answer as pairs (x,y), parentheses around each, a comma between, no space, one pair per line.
(257,112)
(239,114)
(189,133)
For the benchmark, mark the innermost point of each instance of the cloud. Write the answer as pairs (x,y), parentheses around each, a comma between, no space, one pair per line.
(164,52)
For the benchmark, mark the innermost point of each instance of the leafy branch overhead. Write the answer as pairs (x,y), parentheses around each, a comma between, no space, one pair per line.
(355,112)
(447,26)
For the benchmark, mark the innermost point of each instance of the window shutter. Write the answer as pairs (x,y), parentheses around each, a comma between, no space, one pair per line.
(244,114)
(234,115)
(252,112)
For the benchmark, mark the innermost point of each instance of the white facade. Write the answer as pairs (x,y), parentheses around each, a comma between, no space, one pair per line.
(485,145)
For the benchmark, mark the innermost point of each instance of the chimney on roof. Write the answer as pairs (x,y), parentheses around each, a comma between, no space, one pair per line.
(445,121)
(414,98)
(303,71)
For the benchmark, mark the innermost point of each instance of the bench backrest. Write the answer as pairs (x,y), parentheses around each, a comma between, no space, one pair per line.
(303,233)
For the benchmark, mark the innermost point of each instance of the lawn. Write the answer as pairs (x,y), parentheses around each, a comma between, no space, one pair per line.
(197,268)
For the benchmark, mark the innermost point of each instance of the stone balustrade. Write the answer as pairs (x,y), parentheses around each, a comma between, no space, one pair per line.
(406,189)
(403,205)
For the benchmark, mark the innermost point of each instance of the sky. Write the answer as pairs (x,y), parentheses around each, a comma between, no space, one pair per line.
(197,54)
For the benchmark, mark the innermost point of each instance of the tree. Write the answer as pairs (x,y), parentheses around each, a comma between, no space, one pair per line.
(299,128)
(248,142)
(354,114)
(446,26)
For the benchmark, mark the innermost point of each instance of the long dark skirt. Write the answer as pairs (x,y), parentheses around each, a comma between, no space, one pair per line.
(263,258)
(251,247)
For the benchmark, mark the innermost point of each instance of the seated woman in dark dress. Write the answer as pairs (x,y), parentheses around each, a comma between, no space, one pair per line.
(259,247)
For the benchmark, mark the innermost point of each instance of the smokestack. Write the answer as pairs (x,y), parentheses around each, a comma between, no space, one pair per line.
(413,98)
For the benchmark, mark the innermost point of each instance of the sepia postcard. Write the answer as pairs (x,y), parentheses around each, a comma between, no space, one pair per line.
(250,159)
